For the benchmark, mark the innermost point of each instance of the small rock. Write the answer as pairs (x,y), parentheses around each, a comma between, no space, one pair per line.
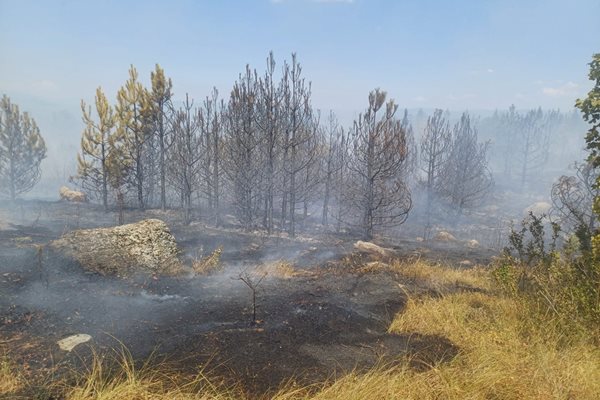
(472,244)
(465,263)
(369,247)
(69,343)
(444,237)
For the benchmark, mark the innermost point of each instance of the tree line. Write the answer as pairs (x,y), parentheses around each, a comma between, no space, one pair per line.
(266,155)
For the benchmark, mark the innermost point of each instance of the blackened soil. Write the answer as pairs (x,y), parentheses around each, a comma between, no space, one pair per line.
(315,321)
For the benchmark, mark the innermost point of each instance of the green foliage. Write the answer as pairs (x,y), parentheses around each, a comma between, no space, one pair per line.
(22,149)
(590,108)
(92,166)
(528,244)
(134,121)
(563,287)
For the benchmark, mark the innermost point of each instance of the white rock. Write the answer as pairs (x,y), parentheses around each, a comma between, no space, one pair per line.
(444,237)
(69,343)
(369,247)
(472,244)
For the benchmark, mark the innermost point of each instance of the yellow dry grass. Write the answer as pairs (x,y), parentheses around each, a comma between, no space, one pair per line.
(10,379)
(439,276)
(502,356)
(279,269)
(156,382)
(209,264)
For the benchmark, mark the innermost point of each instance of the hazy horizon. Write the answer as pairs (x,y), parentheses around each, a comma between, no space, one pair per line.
(426,55)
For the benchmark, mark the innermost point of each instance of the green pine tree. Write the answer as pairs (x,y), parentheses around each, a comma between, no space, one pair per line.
(22,149)
(92,169)
(133,112)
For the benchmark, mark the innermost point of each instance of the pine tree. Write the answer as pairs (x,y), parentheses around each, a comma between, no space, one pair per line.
(22,149)
(133,112)
(436,143)
(92,170)
(466,178)
(242,149)
(185,156)
(380,158)
(298,134)
(159,100)
(118,167)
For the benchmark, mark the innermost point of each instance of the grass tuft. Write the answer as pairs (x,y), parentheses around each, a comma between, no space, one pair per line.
(209,264)
(10,380)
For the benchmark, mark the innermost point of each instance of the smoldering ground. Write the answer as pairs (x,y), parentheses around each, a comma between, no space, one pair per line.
(316,316)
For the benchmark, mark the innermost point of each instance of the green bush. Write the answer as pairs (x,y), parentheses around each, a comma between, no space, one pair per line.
(563,286)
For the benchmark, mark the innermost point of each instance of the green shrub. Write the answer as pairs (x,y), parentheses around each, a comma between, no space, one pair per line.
(563,286)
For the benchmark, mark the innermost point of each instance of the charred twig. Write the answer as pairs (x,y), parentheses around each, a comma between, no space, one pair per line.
(253,284)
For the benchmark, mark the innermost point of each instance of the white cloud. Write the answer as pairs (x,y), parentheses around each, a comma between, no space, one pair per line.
(490,70)
(568,89)
(420,99)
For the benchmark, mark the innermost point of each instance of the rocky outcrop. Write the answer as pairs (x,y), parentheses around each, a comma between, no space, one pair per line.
(72,195)
(147,245)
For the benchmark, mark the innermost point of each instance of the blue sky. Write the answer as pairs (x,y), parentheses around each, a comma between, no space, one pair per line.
(451,54)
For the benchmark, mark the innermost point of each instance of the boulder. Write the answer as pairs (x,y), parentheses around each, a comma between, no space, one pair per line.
(372,248)
(443,236)
(538,209)
(147,245)
(72,195)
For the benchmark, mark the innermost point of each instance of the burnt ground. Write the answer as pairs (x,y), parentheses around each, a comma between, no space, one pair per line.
(321,318)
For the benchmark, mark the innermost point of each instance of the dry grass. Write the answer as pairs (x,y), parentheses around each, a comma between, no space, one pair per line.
(503,356)
(10,379)
(209,264)
(156,382)
(438,276)
(280,269)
